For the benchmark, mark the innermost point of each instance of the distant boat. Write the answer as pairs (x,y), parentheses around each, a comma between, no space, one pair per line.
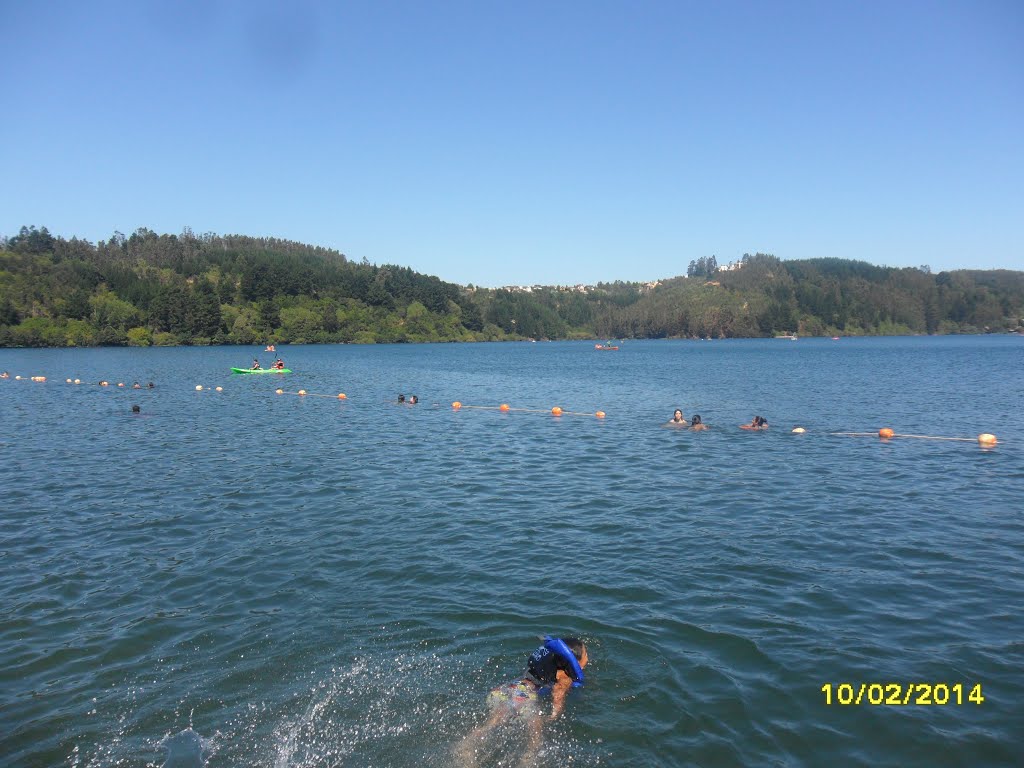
(790,336)
(835,338)
(606,347)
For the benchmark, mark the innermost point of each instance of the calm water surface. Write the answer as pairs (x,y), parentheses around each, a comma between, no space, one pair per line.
(245,579)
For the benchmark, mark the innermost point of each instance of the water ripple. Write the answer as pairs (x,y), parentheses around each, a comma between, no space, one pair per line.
(280,581)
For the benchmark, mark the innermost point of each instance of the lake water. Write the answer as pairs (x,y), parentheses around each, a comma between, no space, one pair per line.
(249,579)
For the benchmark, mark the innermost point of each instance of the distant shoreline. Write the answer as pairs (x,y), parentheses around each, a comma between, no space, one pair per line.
(182,290)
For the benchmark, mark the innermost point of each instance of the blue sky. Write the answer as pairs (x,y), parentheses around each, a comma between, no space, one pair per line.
(498,143)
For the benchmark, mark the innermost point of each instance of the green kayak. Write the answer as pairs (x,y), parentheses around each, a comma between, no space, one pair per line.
(261,370)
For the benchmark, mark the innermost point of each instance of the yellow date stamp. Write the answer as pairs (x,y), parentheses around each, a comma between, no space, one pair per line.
(902,694)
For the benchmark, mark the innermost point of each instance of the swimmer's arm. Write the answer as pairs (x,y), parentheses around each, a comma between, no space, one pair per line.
(558,692)
(557,701)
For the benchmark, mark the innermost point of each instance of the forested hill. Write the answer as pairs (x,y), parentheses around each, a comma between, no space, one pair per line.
(230,289)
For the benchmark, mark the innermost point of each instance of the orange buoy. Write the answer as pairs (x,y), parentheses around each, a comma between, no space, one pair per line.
(503,407)
(341,396)
(302,392)
(556,411)
(885,433)
(456,405)
(600,414)
(278,391)
(220,389)
(987,440)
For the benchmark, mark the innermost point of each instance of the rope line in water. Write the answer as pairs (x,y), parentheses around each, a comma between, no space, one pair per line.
(985,440)
(933,437)
(506,408)
(304,393)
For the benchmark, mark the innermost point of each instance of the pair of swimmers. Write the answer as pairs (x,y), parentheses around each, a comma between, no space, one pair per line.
(411,401)
(278,365)
(695,424)
(678,420)
(554,669)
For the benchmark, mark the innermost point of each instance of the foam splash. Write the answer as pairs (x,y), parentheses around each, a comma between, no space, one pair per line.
(410,711)
(185,750)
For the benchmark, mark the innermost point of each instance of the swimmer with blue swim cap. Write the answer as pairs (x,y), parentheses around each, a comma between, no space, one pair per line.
(554,669)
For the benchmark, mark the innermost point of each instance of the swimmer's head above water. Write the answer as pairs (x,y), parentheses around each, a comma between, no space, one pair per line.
(558,655)
(554,668)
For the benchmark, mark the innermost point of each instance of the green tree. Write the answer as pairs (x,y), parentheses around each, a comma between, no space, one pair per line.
(139,337)
(330,318)
(269,318)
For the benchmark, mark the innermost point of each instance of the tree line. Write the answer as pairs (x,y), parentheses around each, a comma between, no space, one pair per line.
(164,289)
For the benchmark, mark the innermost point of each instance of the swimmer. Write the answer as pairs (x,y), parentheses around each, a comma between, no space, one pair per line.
(136,409)
(401,398)
(104,383)
(151,385)
(136,385)
(554,668)
(5,375)
(757,423)
(413,399)
(255,365)
(696,425)
(270,348)
(678,419)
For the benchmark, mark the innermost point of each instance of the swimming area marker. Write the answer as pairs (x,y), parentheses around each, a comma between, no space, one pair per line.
(985,439)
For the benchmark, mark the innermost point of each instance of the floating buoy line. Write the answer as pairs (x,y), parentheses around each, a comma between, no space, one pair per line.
(506,408)
(985,439)
(304,393)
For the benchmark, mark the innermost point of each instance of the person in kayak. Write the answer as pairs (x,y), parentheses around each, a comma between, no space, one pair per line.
(279,364)
(553,669)
(696,425)
(255,365)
